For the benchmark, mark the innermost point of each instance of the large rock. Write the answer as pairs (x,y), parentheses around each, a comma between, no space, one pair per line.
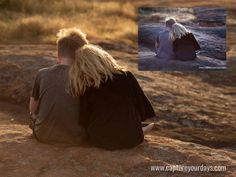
(210,16)
(211,39)
(21,155)
(148,61)
(17,74)
(148,33)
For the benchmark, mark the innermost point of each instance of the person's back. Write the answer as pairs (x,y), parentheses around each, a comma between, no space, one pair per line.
(185,47)
(112,113)
(58,112)
(54,110)
(164,43)
(165,49)
(184,43)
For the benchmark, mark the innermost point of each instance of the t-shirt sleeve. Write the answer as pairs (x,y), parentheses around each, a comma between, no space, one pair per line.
(36,88)
(142,102)
(195,43)
(157,39)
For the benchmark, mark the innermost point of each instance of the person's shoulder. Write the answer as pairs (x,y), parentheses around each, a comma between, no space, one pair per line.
(50,68)
(45,70)
(123,75)
(129,75)
(189,35)
(126,73)
(162,32)
(165,31)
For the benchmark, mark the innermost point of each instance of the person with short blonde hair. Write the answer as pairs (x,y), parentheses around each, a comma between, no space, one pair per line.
(163,43)
(169,22)
(54,111)
(68,41)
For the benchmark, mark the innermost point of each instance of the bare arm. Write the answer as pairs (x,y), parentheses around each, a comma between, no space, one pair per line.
(156,44)
(143,104)
(34,99)
(195,43)
(33,105)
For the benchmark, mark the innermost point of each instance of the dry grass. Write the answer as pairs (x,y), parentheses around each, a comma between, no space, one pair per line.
(31,21)
(37,21)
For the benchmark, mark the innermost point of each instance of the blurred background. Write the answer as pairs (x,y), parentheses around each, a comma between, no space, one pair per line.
(37,21)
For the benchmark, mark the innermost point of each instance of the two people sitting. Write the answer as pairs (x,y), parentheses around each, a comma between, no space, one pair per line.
(176,42)
(88,97)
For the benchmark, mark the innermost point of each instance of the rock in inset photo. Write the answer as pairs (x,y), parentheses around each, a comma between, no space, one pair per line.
(182,39)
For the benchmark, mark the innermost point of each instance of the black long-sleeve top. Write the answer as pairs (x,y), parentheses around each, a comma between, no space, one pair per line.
(112,113)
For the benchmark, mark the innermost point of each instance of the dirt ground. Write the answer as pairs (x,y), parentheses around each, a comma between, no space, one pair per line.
(22,155)
(195,124)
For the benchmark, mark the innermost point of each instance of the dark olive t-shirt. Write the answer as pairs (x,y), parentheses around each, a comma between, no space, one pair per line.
(58,112)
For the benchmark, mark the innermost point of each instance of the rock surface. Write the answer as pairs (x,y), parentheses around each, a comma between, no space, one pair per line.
(149,61)
(211,39)
(195,125)
(21,155)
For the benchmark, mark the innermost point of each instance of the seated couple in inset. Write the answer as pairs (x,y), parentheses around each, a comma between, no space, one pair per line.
(176,42)
(88,97)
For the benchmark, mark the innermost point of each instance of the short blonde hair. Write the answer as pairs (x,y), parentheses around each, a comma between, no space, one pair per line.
(170,21)
(177,31)
(69,40)
(72,32)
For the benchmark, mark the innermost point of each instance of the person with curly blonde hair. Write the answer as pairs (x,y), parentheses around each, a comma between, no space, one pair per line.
(54,111)
(185,44)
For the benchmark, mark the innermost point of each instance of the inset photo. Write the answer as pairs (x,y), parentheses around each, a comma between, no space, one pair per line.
(182,39)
